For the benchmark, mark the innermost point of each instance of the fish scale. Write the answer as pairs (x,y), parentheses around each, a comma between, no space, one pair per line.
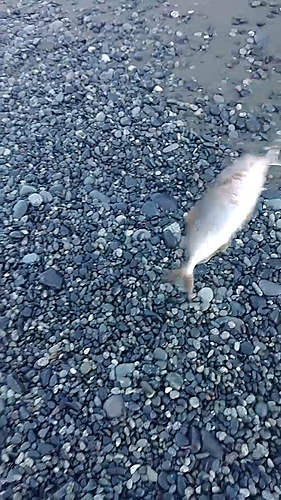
(225,207)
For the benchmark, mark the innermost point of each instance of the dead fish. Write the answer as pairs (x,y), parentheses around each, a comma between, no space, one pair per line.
(225,207)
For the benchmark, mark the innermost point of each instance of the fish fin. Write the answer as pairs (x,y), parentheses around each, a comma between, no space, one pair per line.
(223,248)
(188,279)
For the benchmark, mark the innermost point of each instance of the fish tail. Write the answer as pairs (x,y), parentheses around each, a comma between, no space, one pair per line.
(186,275)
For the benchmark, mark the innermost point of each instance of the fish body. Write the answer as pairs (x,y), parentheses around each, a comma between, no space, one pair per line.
(227,204)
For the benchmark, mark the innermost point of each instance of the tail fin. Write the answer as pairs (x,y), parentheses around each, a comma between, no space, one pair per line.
(188,279)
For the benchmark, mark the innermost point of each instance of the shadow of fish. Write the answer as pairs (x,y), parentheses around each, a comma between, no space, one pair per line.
(225,207)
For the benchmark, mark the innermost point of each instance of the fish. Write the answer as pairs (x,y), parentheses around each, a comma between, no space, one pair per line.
(225,207)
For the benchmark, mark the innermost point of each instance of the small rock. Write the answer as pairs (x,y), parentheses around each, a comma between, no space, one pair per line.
(172,235)
(151,474)
(147,389)
(20,209)
(175,380)
(165,201)
(35,199)
(86,367)
(25,190)
(171,147)
(114,406)
(100,117)
(206,294)
(194,402)
(181,440)
(4,321)
(56,25)
(211,445)
(30,258)
(47,197)
(149,208)
(261,409)
(253,125)
(246,348)
(101,197)
(123,370)
(51,278)
(160,354)
(270,288)
(14,383)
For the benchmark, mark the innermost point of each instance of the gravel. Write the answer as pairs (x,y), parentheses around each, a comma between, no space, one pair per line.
(112,384)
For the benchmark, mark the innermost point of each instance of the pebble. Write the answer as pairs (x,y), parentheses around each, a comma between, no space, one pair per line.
(270,288)
(30,258)
(51,278)
(20,209)
(35,200)
(175,380)
(86,367)
(261,409)
(194,402)
(114,406)
(100,117)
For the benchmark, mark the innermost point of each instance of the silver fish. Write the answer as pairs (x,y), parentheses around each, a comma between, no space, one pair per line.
(225,207)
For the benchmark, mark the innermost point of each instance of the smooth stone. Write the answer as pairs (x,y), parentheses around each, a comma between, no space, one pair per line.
(165,201)
(261,409)
(30,258)
(14,383)
(253,125)
(175,380)
(275,204)
(47,197)
(20,209)
(171,147)
(269,288)
(147,389)
(35,199)
(56,25)
(160,354)
(150,209)
(100,117)
(114,406)
(97,195)
(86,367)
(4,321)
(181,440)
(123,370)
(26,190)
(194,402)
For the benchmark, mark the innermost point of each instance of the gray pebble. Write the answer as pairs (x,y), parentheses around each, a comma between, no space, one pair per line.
(35,199)
(20,209)
(270,288)
(114,406)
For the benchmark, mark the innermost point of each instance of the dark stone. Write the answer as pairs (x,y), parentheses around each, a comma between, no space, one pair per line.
(4,321)
(253,125)
(150,209)
(51,278)
(165,201)
(181,440)
(170,240)
(246,348)
(211,445)
(194,439)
